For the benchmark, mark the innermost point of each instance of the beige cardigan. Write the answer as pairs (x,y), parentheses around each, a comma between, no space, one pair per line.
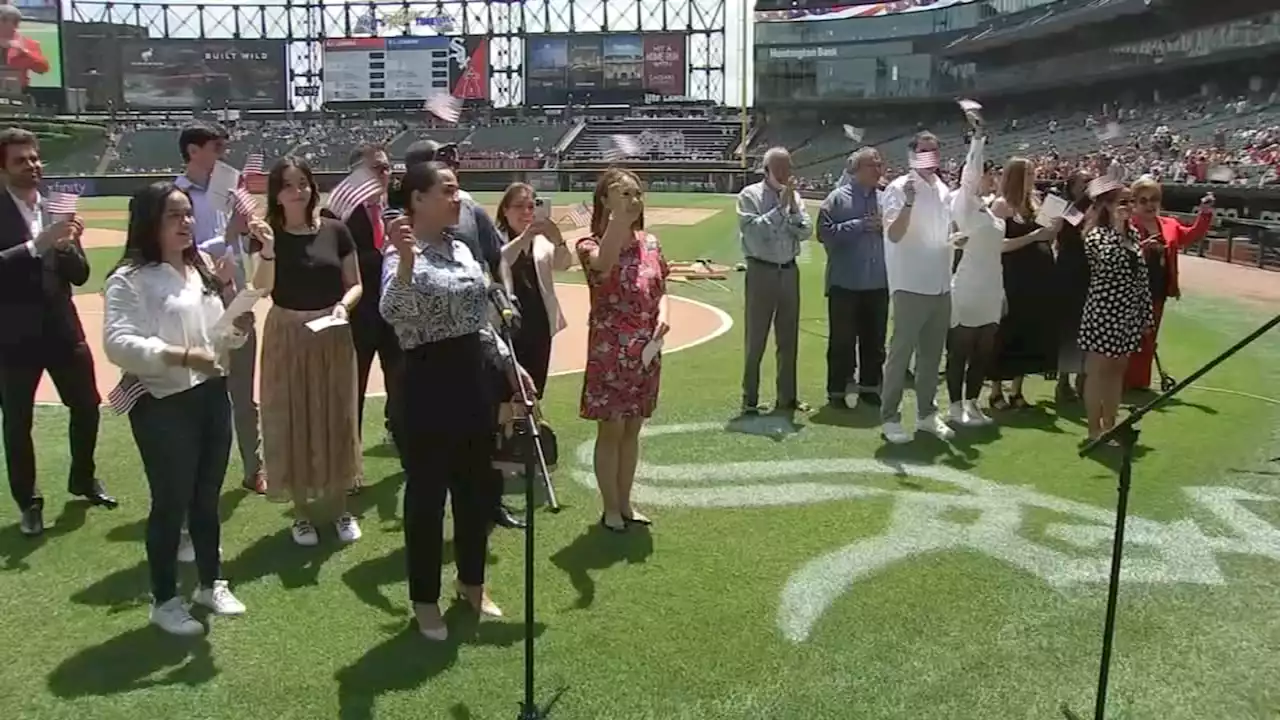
(547,259)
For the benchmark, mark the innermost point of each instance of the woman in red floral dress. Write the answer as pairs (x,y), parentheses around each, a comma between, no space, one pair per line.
(628,279)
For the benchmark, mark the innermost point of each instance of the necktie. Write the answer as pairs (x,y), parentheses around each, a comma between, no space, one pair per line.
(375,220)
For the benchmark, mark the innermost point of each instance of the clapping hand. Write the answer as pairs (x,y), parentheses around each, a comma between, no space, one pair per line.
(56,235)
(909,189)
(260,231)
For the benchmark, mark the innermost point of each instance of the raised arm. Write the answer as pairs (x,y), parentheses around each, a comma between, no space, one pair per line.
(1195,232)
(400,303)
(967,200)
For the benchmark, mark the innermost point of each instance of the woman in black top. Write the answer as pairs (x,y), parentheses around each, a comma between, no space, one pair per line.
(1027,339)
(534,250)
(1072,280)
(310,437)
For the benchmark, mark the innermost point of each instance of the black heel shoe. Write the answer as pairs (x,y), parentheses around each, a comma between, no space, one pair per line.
(612,528)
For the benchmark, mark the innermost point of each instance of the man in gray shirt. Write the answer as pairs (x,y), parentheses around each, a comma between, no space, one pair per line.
(773,222)
(857,285)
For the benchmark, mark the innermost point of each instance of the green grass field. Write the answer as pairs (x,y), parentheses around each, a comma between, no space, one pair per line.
(788,576)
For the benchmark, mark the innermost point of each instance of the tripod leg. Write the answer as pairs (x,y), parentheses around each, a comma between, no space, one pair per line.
(1127,439)
(550,489)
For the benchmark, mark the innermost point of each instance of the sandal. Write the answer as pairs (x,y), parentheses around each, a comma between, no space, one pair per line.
(612,528)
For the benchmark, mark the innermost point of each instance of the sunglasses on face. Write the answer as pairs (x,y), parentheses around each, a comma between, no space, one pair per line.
(1124,204)
(1147,200)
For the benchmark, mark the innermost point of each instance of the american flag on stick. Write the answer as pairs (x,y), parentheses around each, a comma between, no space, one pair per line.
(253,164)
(60,203)
(621,147)
(924,160)
(444,106)
(355,190)
(125,394)
(579,215)
(244,203)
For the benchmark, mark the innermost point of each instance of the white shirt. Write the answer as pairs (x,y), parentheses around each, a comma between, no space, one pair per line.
(151,307)
(33,217)
(921,261)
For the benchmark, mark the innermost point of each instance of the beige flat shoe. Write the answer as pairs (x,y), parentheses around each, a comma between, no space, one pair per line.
(430,622)
(485,605)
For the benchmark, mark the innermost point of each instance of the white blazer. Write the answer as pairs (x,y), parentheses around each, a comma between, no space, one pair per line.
(547,259)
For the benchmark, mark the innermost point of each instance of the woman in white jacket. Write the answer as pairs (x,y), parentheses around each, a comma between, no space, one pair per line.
(534,250)
(977,286)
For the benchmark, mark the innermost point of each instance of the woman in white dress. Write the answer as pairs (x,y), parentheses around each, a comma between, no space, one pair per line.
(977,286)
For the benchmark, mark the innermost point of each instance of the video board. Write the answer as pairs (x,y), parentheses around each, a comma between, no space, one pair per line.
(405,68)
(200,74)
(604,68)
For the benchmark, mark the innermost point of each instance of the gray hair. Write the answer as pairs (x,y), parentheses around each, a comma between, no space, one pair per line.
(860,156)
(775,153)
(9,12)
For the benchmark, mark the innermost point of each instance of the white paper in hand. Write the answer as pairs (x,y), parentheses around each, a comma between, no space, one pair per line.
(650,351)
(325,322)
(223,180)
(1051,209)
(241,304)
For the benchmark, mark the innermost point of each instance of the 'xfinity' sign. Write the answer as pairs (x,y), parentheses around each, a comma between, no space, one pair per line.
(802,53)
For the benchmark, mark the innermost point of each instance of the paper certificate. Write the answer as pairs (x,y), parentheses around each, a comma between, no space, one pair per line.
(650,351)
(241,304)
(325,322)
(1051,209)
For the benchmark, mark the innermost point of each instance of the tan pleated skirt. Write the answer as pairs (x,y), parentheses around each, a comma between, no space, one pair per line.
(310,438)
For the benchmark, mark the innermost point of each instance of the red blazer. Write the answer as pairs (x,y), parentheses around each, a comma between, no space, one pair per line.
(1177,236)
(26,57)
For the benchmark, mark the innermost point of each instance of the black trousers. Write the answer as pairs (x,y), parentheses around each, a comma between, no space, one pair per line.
(857,322)
(71,370)
(374,336)
(461,467)
(533,351)
(185,442)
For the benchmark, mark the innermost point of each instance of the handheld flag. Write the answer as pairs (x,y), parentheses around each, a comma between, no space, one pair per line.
(253,164)
(444,106)
(60,203)
(854,133)
(243,203)
(125,394)
(621,147)
(579,215)
(924,160)
(355,190)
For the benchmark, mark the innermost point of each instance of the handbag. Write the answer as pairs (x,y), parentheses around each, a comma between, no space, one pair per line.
(515,444)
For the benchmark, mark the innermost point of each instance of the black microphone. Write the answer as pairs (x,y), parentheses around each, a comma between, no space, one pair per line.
(507,311)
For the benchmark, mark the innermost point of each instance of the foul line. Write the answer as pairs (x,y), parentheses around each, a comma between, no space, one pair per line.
(1237,393)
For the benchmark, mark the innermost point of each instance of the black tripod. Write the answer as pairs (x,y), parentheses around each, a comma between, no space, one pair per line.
(1126,433)
(535,462)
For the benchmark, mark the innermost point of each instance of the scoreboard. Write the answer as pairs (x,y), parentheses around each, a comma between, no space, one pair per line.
(393,68)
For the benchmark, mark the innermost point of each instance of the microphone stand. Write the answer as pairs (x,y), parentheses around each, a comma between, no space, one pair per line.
(534,462)
(1126,433)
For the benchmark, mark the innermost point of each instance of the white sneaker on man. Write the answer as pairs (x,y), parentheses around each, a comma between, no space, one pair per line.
(172,617)
(975,415)
(304,533)
(936,427)
(219,599)
(348,528)
(895,433)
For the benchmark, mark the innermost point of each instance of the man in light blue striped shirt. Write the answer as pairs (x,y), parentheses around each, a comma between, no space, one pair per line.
(220,234)
(773,222)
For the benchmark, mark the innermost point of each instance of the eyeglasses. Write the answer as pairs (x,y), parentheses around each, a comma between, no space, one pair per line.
(1124,203)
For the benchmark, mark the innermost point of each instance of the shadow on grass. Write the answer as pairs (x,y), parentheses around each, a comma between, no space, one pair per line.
(1134,399)
(136,532)
(862,415)
(925,449)
(600,549)
(406,660)
(15,547)
(141,658)
(367,579)
(776,426)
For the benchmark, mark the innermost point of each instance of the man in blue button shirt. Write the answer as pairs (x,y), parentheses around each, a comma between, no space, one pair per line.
(857,283)
(219,233)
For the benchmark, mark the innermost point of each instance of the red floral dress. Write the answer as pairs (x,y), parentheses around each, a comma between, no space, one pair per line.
(624,313)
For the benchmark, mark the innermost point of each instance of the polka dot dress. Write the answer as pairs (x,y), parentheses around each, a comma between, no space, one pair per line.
(1117,310)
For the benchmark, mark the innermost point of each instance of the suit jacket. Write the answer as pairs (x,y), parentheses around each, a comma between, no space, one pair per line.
(369,259)
(36,312)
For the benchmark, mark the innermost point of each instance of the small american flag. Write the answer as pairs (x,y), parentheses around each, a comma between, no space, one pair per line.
(579,215)
(243,203)
(60,203)
(853,132)
(924,160)
(621,147)
(354,191)
(253,164)
(1110,131)
(444,106)
(125,394)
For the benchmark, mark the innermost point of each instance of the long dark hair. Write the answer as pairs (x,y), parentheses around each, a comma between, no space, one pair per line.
(513,191)
(275,183)
(142,241)
(420,177)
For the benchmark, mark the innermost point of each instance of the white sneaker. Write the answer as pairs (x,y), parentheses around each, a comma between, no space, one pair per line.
(894,433)
(186,551)
(172,617)
(935,427)
(975,415)
(956,414)
(348,528)
(219,599)
(304,533)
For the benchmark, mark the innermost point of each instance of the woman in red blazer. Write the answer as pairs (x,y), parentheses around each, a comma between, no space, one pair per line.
(1165,239)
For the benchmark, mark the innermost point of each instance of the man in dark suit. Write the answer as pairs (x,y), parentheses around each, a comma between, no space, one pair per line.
(40,259)
(369,332)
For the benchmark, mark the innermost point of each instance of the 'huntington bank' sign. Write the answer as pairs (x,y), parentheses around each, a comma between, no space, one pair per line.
(802,53)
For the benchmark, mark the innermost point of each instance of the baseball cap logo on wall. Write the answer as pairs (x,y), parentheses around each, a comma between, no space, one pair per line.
(927,160)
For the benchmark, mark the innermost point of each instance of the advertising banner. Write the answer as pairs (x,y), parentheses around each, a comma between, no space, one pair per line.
(603,69)
(200,74)
(405,68)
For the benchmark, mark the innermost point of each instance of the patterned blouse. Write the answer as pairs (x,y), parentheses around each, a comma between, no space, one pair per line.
(446,297)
